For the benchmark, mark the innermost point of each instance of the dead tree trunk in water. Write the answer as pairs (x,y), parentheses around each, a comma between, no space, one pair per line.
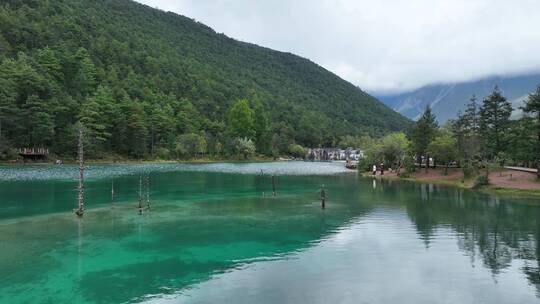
(273,185)
(80,210)
(323,197)
(148,192)
(112,193)
(141,200)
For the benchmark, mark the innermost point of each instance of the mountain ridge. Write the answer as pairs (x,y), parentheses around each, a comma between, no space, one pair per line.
(448,99)
(151,57)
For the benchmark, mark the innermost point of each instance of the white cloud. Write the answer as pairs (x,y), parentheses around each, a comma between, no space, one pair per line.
(385,46)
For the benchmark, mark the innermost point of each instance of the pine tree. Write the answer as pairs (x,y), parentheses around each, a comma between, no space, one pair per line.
(39,122)
(241,122)
(262,134)
(522,136)
(95,117)
(472,116)
(423,134)
(532,107)
(494,122)
(459,129)
(187,118)
(84,80)
(161,125)
(137,131)
(8,110)
(49,60)
(470,124)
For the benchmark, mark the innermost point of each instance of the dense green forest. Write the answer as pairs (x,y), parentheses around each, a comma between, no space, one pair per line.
(146,83)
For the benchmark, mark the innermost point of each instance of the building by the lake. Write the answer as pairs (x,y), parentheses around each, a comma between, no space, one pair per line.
(329,154)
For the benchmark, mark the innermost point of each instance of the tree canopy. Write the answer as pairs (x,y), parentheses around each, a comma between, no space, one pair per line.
(494,122)
(443,148)
(532,107)
(424,132)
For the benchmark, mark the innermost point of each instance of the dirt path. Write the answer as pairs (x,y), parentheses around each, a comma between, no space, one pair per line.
(438,174)
(509,179)
(514,180)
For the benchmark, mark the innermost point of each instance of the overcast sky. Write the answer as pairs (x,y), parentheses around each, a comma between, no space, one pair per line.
(385,46)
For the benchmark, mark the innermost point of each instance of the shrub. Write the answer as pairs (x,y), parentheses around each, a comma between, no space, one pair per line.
(245,147)
(297,151)
(162,153)
(404,174)
(500,159)
(365,164)
(468,169)
(8,154)
(190,145)
(408,163)
(481,180)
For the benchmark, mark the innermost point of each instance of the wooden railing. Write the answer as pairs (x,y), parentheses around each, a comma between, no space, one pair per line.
(33,151)
(531,170)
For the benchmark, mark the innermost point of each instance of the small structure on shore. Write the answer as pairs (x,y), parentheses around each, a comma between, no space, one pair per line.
(351,164)
(330,154)
(33,153)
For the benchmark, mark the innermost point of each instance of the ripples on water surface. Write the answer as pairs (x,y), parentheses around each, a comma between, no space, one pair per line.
(214,234)
(65,172)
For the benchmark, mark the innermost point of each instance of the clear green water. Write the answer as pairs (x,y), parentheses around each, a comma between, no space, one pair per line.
(211,237)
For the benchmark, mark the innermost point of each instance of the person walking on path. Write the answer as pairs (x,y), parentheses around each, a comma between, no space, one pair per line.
(374,170)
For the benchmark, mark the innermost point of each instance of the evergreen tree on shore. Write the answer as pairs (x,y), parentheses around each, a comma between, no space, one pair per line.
(494,122)
(424,133)
(532,107)
(467,129)
(241,122)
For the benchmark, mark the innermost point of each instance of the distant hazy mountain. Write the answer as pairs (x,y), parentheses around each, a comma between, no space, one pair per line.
(447,99)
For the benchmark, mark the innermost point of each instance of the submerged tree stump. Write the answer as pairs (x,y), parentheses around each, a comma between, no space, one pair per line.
(273,185)
(323,197)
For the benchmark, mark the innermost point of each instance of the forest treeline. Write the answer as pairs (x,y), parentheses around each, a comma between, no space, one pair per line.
(146,83)
(482,136)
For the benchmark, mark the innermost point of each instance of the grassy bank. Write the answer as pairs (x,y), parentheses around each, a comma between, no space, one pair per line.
(502,182)
(508,192)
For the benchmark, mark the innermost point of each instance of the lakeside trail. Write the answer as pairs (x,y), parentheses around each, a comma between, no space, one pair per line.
(501,180)
(514,180)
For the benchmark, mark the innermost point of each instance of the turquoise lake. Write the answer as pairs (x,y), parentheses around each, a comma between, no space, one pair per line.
(215,234)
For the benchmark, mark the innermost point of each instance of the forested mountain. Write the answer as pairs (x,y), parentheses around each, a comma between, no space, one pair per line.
(446,100)
(143,81)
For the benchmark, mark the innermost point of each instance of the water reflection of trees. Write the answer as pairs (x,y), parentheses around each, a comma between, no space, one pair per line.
(496,231)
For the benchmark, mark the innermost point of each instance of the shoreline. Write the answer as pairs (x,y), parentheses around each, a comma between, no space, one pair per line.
(457,180)
(147,161)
